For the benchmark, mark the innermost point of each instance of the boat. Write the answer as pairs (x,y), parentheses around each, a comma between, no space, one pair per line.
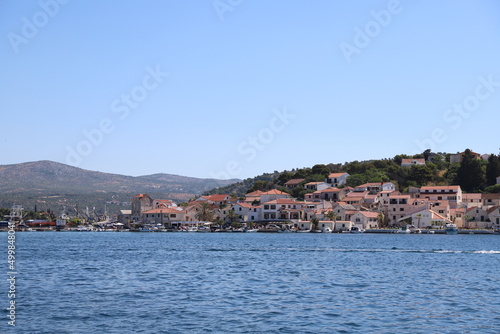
(356,229)
(251,230)
(327,230)
(203,229)
(403,230)
(451,229)
(303,231)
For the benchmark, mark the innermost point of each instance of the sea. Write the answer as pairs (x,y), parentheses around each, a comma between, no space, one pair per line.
(98,282)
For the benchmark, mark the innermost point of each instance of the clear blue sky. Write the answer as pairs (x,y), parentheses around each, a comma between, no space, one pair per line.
(355,80)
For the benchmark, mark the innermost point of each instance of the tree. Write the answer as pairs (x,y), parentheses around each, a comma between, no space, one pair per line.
(205,213)
(314,223)
(427,153)
(320,169)
(261,185)
(494,189)
(331,216)
(492,170)
(232,217)
(470,175)
(284,177)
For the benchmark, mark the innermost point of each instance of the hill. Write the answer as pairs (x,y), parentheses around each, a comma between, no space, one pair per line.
(472,174)
(49,184)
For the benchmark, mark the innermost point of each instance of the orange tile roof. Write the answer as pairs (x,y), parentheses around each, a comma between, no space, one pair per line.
(369,214)
(255,193)
(440,188)
(336,175)
(274,192)
(330,190)
(217,197)
(293,181)
(283,201)
(164,211)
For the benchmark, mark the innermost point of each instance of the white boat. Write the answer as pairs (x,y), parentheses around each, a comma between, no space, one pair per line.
(356,229)
(303,231)
(203,229)
(327,230)
(451,229)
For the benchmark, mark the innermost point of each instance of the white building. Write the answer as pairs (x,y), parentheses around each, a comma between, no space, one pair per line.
(337,179)
(426,218)
(365,219)
(248,212)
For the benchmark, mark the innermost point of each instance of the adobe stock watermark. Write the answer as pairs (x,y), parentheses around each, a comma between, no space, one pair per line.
(12,273)
(250,147)
(223,6)
(121,107)
(455,115)
(371,30)
(30,26)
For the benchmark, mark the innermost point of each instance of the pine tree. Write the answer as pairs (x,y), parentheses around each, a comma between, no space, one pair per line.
(492,170)
(470,175)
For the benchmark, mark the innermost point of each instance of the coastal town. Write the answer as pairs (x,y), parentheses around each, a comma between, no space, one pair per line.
(329,206)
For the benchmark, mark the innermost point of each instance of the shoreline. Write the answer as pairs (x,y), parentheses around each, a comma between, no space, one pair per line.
(368,231)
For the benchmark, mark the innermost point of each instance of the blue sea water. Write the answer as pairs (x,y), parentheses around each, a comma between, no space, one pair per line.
(85,282)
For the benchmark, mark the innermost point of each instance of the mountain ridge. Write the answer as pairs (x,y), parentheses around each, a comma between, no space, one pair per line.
(31,183)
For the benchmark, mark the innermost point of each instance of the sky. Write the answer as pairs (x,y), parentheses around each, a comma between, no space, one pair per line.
(236,88)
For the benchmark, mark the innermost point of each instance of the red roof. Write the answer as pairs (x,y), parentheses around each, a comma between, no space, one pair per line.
(336,175)
(283,201)
(164,210)
(293,182)
(330,190)
(217,197)
(440,188)
(274,192)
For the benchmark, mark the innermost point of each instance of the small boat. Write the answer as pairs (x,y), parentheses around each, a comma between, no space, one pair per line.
(327,230)
(203,229)
(251,230)
(356,229)
(303,231)
(451,229)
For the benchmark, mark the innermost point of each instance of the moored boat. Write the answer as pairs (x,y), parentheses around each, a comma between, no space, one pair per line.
(451,229)
(356,229)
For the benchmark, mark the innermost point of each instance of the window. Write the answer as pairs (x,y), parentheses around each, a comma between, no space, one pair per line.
(273,207)
(266,207)
(401,209)
(173,215)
